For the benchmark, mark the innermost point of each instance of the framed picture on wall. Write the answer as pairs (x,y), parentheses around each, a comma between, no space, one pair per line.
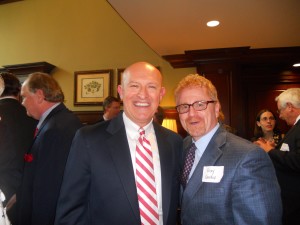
(92,87)
(119,75)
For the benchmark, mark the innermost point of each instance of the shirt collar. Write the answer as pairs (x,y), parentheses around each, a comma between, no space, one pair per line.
(45,114)
(204,140)
(133,129)
(298,118)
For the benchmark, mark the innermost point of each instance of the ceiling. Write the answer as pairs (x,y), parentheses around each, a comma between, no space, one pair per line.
(172,27)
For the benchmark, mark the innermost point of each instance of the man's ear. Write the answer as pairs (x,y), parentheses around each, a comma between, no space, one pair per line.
(120,91)
(40,95)
(162,93)
(217,109)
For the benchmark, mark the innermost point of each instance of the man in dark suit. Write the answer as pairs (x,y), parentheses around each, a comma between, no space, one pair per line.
(286,155)
(45,161)
(101,180)
(225,179)
(16,135)
(111,108)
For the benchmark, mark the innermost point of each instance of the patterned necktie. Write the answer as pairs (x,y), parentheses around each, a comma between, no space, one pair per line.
(188,164)
(145,182)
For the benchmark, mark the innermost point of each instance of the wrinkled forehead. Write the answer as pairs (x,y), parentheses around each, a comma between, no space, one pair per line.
(194,90)
(142,76)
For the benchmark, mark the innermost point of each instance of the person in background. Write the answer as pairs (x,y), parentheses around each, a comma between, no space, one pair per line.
(266,127)
(225,179)
(286,155)
(16,135)
(45,160)
(103,182)
(111,108)
(159,115)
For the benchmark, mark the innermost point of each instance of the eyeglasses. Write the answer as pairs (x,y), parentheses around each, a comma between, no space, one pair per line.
(198,106)
(265,119)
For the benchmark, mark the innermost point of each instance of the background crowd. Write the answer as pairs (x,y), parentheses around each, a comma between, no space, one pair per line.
(128,169)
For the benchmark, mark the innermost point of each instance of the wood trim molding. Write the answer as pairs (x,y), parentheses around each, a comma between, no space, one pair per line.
(242,55)
(2,2)
(27,68)
(88,117)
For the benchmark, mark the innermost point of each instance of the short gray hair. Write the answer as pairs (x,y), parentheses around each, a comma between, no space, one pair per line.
(291,95)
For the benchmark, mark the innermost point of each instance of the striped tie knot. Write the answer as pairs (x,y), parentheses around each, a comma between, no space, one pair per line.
(142,132)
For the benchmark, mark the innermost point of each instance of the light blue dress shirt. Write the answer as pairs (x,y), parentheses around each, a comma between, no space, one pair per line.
(201,145)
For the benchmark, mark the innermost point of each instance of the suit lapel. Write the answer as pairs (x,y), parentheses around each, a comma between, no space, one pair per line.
(58,108)
(165,156)
(291,131)
(120,152)
(211,154)
(43,126)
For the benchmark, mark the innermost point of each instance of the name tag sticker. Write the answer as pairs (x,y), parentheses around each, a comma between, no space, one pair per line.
(212,174)
(285,147)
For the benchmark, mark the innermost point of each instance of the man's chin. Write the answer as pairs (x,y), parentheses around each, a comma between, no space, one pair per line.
(196,132)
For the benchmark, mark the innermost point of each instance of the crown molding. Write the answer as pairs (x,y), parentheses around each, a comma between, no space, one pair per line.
(27,68)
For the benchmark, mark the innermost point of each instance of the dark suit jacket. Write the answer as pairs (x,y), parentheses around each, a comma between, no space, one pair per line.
(99,184)
(16,136)
(38,194)
(248,192)
(287,166)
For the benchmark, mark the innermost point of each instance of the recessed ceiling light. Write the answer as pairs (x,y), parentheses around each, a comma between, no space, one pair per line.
(213,23)
(296,65)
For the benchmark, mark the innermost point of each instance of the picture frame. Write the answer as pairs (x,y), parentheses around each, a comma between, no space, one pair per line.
(92,87)
(119,80)
(119,75)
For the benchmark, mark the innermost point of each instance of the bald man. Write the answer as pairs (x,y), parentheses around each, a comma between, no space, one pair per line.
(101,179)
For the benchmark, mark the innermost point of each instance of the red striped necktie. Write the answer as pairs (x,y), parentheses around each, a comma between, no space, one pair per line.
(145,182)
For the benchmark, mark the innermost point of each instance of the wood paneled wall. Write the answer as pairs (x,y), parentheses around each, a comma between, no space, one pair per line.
(89,117)
(247,80)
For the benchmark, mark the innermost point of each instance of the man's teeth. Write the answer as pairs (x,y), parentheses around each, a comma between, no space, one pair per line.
(142,104)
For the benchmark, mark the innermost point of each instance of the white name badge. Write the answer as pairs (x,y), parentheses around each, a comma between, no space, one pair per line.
(212,174)
(285,147)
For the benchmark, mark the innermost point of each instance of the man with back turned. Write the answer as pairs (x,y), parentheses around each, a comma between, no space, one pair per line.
(45,160)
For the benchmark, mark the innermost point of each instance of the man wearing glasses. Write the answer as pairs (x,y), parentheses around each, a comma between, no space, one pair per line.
(286,155)
(225,179)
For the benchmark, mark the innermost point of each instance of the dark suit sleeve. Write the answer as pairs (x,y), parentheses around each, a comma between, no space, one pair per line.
(72,204)
(288,160)
(49,173)
(256,193)
(16,134)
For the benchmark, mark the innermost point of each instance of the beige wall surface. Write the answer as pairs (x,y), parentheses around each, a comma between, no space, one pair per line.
(76,35)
